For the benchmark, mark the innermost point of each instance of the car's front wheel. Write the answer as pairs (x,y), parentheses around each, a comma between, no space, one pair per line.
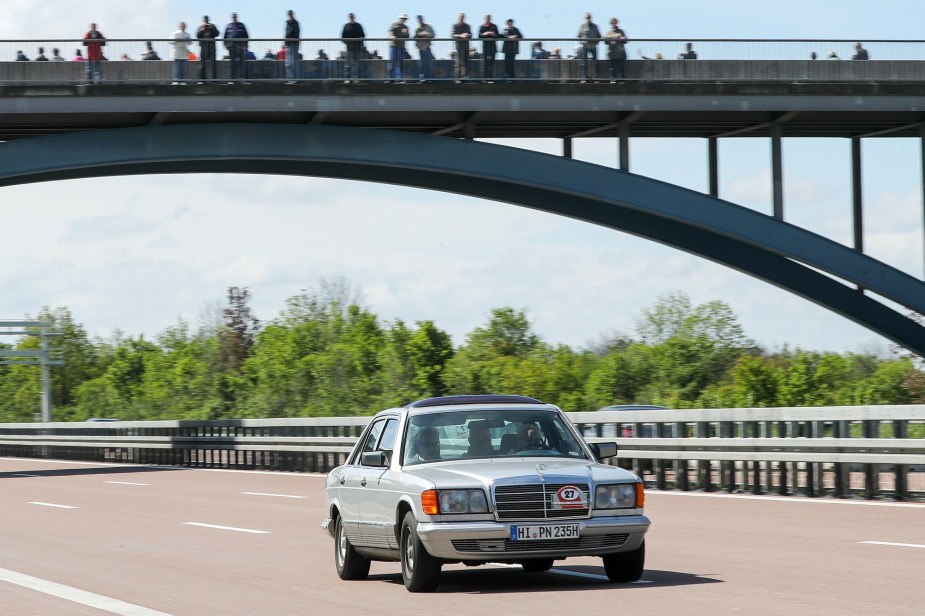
(536,565)
(349,563)
(625,566)
(419,570)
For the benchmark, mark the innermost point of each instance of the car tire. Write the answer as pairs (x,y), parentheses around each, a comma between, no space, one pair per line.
(537,565)
(419,570)
(349,563)
(625,566)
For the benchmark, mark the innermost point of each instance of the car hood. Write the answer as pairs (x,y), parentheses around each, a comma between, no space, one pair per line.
(472,473)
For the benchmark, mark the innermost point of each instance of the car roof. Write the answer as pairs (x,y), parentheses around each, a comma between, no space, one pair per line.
(633,407)
(473,399)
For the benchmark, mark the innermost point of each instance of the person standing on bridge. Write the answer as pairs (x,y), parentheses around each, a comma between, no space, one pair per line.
(511,47)
(591,34)
(423,36)
(94,41)
(489,32)
(206,35)
(616,49)
(353,35)
(688,53)
(860,53)
(292,35)
(461,33)
(179,53)
(236,43)
(398,32)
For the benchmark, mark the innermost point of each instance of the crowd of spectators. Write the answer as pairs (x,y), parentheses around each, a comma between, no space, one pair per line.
(236,38)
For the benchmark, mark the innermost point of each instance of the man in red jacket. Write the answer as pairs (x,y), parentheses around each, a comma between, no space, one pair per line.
(94,41)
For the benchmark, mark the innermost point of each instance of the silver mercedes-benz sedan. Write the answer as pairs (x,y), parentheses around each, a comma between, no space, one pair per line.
(478,479)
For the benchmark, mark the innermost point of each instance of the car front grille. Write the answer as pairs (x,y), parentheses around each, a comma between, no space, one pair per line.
(535,501)
(582,543)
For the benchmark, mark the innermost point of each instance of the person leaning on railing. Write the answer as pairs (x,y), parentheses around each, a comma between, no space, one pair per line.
(461,33)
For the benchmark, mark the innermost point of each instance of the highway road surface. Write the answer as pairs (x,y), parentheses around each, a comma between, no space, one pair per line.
(91,539)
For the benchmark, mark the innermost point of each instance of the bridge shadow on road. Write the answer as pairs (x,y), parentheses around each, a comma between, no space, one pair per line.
(508,579)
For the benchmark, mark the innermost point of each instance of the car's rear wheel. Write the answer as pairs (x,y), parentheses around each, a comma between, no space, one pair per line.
(626,566)
(419,570)
(349,563)
(537,565)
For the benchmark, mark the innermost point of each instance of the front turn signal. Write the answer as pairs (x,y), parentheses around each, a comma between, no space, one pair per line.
(640,495)
(429,502)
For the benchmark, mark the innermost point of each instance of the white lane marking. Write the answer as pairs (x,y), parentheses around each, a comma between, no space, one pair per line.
(24,475)
(240,530)
(270,494)
(52,505)
(898,545)
(742,496)
(75,595)
(128,483)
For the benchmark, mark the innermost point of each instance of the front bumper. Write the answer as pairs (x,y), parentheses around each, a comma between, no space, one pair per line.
(490,540)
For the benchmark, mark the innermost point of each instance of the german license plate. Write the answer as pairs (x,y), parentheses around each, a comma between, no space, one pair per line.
(538,532)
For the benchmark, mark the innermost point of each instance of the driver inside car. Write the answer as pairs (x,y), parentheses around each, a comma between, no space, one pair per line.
(529,437)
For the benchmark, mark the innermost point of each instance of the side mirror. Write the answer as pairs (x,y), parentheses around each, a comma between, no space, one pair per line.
(603,450)
(379,459)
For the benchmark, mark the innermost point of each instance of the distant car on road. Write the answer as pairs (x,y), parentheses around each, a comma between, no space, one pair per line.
(478,479)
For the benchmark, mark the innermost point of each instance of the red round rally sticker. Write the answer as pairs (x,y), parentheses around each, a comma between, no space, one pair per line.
(569,497)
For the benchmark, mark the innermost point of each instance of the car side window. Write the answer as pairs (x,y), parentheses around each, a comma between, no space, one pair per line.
(387,442)
(372,437)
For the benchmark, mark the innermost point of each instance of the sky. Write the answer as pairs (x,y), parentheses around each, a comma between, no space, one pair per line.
(135,254)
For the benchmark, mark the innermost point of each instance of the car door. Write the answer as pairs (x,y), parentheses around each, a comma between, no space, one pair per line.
(351,482)
(378,496)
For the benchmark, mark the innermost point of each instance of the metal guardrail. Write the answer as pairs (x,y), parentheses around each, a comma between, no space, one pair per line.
(870,451)
(324,59)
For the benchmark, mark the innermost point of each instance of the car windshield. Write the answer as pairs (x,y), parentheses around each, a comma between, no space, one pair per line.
(472,434)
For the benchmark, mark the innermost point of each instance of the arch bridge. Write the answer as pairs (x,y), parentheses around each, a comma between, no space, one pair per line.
(329,130)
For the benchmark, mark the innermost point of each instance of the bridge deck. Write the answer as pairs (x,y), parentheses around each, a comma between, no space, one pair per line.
(702,109)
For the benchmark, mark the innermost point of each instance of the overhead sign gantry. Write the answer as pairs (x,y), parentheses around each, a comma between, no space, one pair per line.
(32,357)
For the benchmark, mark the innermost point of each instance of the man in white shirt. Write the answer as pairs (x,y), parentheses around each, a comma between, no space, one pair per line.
(179,53)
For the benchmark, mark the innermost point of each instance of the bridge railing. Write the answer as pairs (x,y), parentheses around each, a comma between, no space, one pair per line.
(325,59)
(840,451)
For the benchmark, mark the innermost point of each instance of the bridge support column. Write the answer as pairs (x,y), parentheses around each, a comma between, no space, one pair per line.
(713,161)
(858,209)
(567,147)
(777,173)
(624,130)
(922,139)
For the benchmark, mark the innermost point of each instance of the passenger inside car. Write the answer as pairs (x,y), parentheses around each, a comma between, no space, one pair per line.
(479,441)
(426,445)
